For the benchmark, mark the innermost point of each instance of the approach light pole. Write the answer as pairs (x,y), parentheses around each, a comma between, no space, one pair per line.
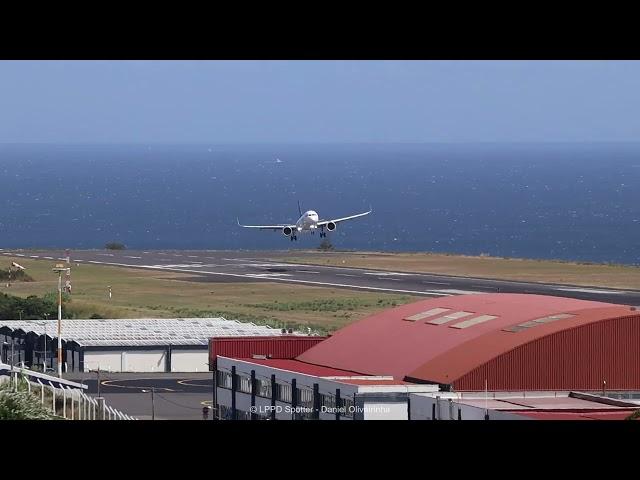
(59,268)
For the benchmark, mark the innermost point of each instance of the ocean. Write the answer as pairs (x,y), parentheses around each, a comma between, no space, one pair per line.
(557,201)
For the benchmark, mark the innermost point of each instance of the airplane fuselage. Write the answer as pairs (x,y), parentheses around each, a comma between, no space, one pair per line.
(308,221)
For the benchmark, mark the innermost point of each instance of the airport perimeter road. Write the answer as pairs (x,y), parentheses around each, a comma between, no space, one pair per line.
(177,396)
(243,266)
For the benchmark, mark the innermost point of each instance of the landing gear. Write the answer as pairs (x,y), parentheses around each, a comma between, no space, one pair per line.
(323,234)
(294,237)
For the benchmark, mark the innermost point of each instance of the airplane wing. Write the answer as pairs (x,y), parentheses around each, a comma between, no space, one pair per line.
(266,227)
(336,220)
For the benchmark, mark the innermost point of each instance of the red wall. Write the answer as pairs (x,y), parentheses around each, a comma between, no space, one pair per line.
(245,347)
(579,358)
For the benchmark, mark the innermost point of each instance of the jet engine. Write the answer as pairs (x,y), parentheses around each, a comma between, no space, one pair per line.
(286,231)
(331,226)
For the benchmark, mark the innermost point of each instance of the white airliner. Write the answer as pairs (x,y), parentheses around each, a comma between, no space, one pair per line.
(308,222)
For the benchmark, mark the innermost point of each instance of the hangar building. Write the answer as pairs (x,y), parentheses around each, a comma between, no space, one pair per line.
(121,345)
(521,343)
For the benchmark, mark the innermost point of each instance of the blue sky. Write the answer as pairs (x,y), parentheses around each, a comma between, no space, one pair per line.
(318,101)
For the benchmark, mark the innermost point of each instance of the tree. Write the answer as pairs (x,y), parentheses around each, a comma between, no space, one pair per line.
(30,308)
(326,246)
(115,246)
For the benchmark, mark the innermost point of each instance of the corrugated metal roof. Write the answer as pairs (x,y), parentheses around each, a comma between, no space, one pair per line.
(552,356)
(387,344)
(141,331)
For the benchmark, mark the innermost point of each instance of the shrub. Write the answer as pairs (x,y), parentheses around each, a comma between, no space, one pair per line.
(20,404)
(115,246)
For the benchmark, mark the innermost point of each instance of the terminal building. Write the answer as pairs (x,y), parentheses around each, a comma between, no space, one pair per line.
(469,356)
(120,345)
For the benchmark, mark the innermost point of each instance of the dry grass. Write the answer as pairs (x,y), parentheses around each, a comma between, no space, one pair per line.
(614,276)
(143,293)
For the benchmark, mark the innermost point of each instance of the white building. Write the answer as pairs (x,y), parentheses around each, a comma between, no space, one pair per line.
(122,345)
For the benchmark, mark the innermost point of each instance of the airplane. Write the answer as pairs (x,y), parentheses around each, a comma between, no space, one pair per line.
(308,222)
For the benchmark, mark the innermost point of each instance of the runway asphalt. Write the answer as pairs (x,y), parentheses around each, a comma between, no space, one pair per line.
(254,266)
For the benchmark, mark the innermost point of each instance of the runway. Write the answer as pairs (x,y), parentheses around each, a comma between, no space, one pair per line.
(254,266)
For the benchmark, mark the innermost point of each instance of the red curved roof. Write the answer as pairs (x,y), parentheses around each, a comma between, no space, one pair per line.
(439,349)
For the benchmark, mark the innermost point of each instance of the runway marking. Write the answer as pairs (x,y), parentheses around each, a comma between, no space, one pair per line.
(436,283)
(176,255)
(306,271)
(290,280)
(105,254)
(391,279)
(461,292)
(387,273)
(345,275)
(48,258)
(130,256)
(589,290)
(34,256)
(266,275)
(181,265)
(20,255)
(145,252)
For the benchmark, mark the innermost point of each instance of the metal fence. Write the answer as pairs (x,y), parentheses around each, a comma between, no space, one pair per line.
(67,402)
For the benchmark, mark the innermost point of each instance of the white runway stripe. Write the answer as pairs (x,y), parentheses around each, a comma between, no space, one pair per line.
(289,280)
(589,290)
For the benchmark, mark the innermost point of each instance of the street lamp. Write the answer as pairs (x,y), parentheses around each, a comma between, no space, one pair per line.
(153,405)
(59,268)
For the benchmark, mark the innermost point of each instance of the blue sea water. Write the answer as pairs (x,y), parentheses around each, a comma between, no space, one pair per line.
(562,201)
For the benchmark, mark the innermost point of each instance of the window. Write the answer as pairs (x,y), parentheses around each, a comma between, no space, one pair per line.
(244,384)
(305,397)
(283,392)
(449,317)
(223,379)
(473,321)
(263,388)
(428,313)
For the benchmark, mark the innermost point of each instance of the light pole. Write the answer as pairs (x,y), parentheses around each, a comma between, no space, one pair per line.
(59,268)
(153,405)
(46,316)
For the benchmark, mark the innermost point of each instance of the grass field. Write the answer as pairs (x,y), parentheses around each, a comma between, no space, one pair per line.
(614,276)
(143,293)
